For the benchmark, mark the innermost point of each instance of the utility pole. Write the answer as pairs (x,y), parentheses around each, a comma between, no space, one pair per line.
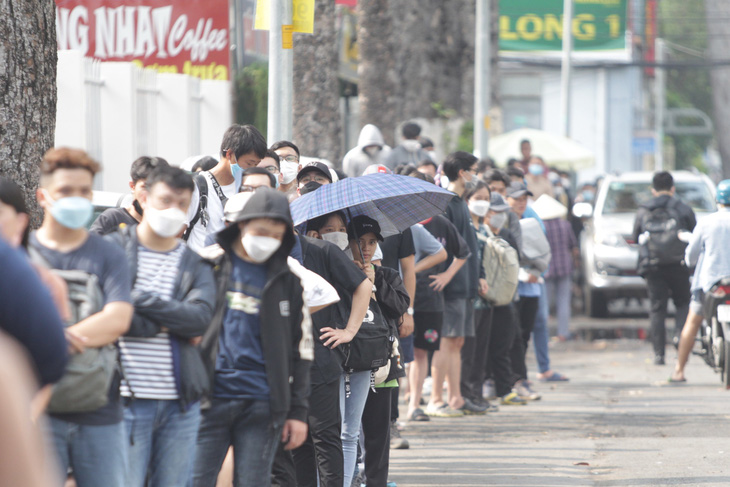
(482,78)
(565,71)
(281,84)
(660,101)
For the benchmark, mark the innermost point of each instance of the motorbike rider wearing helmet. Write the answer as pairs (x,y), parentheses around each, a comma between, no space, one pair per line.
(708,250)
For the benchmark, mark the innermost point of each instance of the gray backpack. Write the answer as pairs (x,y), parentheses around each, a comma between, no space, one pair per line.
(502,266)
(85,384)
(535,245)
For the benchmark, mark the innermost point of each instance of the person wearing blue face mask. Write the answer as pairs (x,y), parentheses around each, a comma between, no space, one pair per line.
(243,147)
(536,179)
(90,438)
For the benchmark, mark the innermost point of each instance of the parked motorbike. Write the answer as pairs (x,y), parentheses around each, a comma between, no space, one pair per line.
(714,335)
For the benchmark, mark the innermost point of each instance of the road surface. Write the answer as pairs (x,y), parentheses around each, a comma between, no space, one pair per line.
(616,423)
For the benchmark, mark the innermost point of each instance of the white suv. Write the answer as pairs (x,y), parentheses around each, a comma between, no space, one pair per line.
(608,250)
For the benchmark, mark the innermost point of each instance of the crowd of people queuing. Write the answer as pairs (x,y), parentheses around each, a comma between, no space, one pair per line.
(209,340)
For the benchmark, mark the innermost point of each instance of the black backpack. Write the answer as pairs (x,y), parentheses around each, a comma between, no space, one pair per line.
(662,245)
(371,347)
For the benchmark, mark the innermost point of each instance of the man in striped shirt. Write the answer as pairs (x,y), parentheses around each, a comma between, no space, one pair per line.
(174,295)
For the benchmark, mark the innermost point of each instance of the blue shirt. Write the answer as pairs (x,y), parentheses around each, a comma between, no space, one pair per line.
(240,370)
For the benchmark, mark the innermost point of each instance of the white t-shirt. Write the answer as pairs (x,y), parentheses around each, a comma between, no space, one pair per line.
(214,209)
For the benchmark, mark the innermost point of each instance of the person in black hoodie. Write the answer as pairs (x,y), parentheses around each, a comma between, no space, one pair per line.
(662,263)
(259,347)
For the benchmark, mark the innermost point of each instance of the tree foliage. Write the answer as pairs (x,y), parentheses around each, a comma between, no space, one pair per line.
(252,95)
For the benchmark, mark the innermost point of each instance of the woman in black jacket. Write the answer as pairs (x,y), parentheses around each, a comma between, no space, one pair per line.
(390,300)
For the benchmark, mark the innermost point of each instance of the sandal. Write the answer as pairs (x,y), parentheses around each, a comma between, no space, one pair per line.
(418,415)
(555,377)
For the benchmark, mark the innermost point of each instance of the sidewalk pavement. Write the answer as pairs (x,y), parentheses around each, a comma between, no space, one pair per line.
(616,423)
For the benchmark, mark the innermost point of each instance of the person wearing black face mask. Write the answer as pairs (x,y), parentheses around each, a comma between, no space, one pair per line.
(114,218)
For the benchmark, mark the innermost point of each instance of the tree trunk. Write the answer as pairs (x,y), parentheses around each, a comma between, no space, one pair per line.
(378,80)
(415,54)
(317,123)
(27,91)
(718,46)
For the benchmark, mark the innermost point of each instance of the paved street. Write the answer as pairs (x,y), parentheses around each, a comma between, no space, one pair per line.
(616,423)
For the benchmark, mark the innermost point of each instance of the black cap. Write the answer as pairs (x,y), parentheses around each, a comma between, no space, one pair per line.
(517,189)
(361,225)
(309,187)
(315,166)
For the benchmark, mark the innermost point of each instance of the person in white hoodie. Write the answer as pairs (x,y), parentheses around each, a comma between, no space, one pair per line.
(409,151)
(370,149)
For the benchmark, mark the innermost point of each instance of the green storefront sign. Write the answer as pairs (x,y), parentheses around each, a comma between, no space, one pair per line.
(537,25)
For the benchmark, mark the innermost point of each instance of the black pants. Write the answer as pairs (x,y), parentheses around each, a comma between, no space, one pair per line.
(525,319)
(499,361)
(661,283)
(376,436)
(323,448)
(474,355)
(394,413)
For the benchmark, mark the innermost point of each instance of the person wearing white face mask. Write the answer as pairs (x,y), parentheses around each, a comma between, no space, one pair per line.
(288,154)
(258,349)
(174,296)
(474,352)
(459,293)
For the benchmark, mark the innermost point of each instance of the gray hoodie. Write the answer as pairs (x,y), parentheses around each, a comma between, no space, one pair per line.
(357,159)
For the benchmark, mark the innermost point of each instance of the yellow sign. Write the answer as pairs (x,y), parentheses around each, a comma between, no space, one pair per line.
(287,37)
(302,15)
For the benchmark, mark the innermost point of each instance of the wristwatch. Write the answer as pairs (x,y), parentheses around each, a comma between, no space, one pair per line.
(410,311)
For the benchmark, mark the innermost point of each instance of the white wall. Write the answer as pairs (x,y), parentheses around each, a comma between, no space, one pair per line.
(118,112)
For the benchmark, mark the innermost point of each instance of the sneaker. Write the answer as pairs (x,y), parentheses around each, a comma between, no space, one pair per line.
(470,407)
(427,386)
(512,399)
(525,392)
(659,360)
(489,391)
(396,442)
(443,411)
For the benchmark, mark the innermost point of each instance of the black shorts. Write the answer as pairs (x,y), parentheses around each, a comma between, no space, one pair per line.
(427,329)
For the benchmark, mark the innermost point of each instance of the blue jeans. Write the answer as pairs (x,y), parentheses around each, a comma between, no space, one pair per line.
(559,294)
(540,332)
(96,453)
(351,409)
(248,425)
(161,442)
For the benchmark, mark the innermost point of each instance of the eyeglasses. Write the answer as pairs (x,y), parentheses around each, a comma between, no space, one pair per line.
(272,169)
(317,179)
(291,158)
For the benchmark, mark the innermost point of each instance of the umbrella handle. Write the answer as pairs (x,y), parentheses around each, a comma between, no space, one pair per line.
(362,258)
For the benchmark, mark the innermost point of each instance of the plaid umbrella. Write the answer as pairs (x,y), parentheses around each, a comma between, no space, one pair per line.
(396,202)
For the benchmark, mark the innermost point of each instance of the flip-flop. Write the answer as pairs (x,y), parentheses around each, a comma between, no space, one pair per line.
(418,415)
(556,377)
(672,380)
